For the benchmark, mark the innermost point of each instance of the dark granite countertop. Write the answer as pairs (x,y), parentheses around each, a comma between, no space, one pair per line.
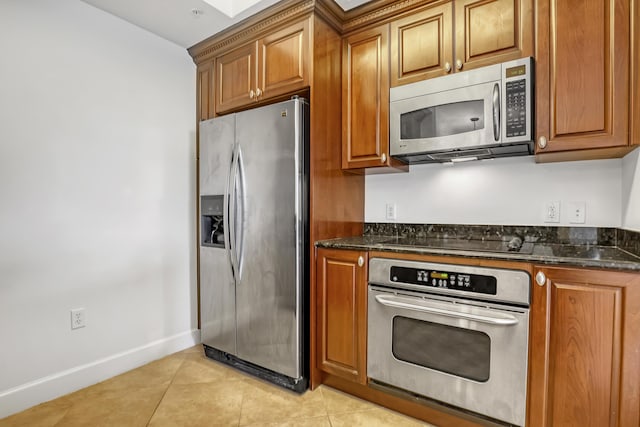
(596,248)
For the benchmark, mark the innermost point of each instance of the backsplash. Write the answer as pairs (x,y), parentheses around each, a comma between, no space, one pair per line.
(623,239)
(629,241)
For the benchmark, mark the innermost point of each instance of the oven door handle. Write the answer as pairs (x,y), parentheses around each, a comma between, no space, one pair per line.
(424,307)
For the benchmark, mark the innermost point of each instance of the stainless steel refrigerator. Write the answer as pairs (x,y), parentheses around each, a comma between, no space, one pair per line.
(254,241)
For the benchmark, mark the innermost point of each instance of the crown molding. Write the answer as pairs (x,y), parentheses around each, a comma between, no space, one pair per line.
(255,26)
(378,11)
(288,11)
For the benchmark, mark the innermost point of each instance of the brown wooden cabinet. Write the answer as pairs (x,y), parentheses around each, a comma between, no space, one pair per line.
(486,32)
(204,101)
(341,292)
(235,78)
(582,79)
(584,367)
(263,69)
(365,100)
(283,61)
(422,45)
(490,32)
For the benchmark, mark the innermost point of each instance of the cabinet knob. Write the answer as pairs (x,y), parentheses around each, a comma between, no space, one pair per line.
(447,67)
(541,279)
(252,94)
(542,142)
(383,158)
(458,64)
(360,261)
(258,93)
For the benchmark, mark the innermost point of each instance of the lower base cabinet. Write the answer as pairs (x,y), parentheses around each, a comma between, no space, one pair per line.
(585,348)
(341,292)
(584,343)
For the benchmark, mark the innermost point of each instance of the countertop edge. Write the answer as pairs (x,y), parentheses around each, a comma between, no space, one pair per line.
(510,256)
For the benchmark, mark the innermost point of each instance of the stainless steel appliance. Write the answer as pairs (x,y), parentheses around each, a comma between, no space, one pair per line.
(482,113)
(254,264)
(455,334)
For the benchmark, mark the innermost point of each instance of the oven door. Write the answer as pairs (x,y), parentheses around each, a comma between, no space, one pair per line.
(468,354)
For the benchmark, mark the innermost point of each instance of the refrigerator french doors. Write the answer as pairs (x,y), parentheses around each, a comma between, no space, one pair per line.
(254,287)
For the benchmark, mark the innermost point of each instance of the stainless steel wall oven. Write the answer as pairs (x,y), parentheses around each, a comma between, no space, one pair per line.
(455,334)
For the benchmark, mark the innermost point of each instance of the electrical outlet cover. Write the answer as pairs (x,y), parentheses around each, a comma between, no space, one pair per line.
(78,319)
(552,211)
(577,212)
(391,211)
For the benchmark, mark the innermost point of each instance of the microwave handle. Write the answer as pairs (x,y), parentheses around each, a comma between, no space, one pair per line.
(496,112)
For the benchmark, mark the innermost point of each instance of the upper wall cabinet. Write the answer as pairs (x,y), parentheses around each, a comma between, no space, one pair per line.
(204,95)
(266,68)
(490,32)
(459,35)
(421,45)
(582,79)
(365,100)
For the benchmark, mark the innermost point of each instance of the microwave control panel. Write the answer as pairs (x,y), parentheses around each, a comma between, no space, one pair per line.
(444,279)
(516,108)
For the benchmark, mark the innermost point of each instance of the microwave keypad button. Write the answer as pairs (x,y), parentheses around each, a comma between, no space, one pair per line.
(516,108)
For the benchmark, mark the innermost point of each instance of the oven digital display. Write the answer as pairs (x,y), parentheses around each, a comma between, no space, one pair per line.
(445,279)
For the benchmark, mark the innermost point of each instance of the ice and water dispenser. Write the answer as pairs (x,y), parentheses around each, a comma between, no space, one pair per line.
(212,221)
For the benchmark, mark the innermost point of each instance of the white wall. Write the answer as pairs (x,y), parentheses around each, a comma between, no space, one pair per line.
(510,191)
(97,185)
(631,191)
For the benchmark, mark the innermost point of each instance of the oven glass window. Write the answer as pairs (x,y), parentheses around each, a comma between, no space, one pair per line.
(443,120)
(456,351)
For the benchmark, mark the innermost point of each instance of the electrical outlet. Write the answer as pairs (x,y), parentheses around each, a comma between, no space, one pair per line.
(78,318)
(577,212)
(552,212)
(391,211)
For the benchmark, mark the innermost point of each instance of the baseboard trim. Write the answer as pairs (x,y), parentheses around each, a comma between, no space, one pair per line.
(52,386)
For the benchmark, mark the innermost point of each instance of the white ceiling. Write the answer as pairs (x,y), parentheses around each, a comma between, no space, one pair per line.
(175,20)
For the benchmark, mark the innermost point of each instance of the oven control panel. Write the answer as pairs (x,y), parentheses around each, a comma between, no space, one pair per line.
(444,279)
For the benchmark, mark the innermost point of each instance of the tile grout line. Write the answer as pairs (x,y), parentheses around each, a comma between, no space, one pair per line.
(165,391)
(244,390)
(324,402)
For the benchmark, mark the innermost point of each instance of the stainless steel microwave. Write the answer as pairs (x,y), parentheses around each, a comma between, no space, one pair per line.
(482,113)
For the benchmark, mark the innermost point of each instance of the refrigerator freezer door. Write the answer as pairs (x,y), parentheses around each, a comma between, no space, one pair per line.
(217,288)
(272,272)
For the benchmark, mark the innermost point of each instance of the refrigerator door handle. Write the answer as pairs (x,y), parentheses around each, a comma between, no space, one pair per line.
(230,213)
(239,206)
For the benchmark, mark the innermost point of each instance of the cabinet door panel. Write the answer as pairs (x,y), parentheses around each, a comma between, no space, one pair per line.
(585,323)
(493,31)
(341,287)
(365,99)
(283,59)
(205,91)
(584,369)
(235,77)
(421,45)
(582,67)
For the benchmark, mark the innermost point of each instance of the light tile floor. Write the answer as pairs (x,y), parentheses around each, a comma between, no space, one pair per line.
(188,389)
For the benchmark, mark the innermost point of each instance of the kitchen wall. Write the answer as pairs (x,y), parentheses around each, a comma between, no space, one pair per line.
(97,184)
(504,191)
(631,191)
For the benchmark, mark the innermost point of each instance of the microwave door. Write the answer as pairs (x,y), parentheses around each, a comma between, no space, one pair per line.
(462,118)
